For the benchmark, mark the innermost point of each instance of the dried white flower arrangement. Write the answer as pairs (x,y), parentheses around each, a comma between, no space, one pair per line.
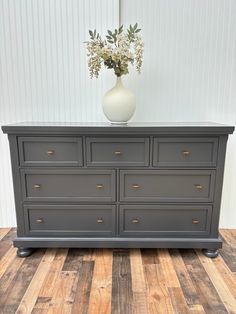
(116,51)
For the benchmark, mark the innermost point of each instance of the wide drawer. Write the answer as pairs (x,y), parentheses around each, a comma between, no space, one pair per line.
(50,151)
(68,185)
(185,152)
(69,220)
(165,220)
(117,151)
(167,185)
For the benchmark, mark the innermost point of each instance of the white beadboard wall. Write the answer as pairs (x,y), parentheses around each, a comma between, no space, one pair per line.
(43,69)
(189,71)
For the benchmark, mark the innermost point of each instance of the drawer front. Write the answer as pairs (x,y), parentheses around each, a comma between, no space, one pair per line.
(50,151)
(70,220)
(185,152)
(167,185)
(117,151)
(165,220)
(68,185)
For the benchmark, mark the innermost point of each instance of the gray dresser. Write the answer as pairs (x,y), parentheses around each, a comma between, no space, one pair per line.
(98,185)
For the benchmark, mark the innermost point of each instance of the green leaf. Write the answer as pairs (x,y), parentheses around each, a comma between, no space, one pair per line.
(108,37)
(138,30)
(111,42)
(121,29)
(110,32)
(135,26)
(90,33)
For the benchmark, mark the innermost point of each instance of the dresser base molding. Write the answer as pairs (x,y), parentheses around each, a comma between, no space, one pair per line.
(210,244)
(25,252)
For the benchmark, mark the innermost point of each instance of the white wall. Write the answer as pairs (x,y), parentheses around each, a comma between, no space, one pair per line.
(189,71)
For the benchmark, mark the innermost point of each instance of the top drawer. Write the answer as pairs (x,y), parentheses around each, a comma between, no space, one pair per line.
(185,152)
(117,151)
(50,151)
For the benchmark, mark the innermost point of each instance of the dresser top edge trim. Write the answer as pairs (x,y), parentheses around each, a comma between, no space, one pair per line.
(107,129)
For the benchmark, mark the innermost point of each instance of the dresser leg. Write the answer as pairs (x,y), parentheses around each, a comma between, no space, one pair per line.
(210,253)
(24,252)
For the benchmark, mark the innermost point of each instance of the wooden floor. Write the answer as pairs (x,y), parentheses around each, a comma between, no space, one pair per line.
(117,281)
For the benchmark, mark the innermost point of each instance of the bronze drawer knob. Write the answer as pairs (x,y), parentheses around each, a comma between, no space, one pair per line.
(100,186)
(135,221)
(50,152)
(39,220)
(118,153)
(136,186)
(99,220)
(195,221)
(199,187)
(186,153)
(37,186)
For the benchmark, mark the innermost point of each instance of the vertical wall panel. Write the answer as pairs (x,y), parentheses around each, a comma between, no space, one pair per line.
(189,71)
(43,69)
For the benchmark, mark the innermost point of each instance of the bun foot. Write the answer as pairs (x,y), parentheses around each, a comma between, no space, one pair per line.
(24,252)
(210,253)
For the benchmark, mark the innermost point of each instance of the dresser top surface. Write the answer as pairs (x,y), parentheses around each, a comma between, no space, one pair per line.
(105,127)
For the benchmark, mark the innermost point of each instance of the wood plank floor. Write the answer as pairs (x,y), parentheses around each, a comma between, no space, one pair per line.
(117,281)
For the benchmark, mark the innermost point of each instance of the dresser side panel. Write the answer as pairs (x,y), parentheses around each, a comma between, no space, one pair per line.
(218,185)
(15,162)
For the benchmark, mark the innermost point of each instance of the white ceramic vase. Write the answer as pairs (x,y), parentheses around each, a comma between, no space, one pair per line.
(119,103)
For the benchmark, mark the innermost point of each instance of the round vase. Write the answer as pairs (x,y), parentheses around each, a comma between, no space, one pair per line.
(119,103)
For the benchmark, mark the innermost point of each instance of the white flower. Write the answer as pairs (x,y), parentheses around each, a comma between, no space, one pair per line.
(116,52)
(139,47)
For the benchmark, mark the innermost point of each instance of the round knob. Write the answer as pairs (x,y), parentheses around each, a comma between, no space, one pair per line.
(186,153)
(50,152)
(39,220)
(199,187)
(37,186)
(118,153)
(135,221)
(100,186)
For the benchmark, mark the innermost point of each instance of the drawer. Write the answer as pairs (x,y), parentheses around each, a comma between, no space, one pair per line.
(167,185)
(50,151)
(69,220)
(165,220)
(117,151)
(68,185)
(185,152)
